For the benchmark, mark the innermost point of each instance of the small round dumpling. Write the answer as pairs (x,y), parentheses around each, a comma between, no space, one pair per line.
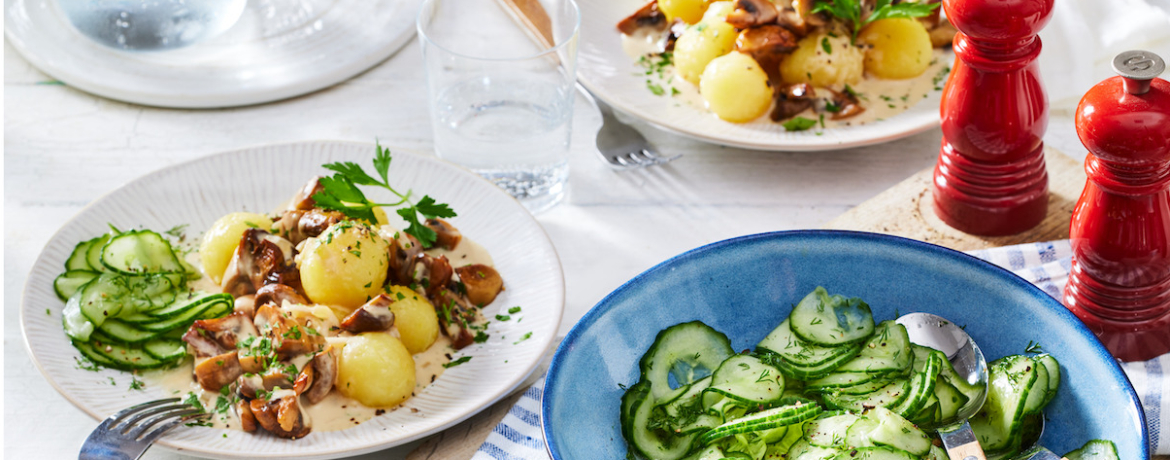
(414,317)
(221,240)
(690,11)
(898,48)
(824,60)
(736,88)
(376,370)
(698,45)
(345,266)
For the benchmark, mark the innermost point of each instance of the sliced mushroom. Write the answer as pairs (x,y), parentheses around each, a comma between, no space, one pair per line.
(247,420)
(482,283)
(751,13)
(847,105)
(274,379)
(375,315)
(281,415)
(224,332)
(261,258)
(403,258)
(455,313)
(768,45)
(314,222)
(289,337)
(288,227)
(648,17)
(437,273)
(218,371)
(278,294)
(324,366)
(447,236)
(245,304)
(236,282)
(793,99)
(303,200)
(943,35)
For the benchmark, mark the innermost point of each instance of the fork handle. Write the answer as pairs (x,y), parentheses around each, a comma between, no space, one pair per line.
(605,109)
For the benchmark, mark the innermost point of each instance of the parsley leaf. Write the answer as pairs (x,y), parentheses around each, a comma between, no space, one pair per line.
(340,192)
(799,124)
(850,11)
(461,360)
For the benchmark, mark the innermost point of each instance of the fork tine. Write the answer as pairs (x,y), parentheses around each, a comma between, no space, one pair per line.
(137,431)
(162,429)
(132,409)
(131,419)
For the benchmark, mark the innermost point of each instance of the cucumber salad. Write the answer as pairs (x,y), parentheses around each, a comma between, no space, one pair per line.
(318,316)
(827,383)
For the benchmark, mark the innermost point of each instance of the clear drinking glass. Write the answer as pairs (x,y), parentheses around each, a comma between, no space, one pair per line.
(501,104)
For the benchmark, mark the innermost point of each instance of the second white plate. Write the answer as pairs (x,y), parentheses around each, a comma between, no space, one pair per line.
(278,49)
(617,79)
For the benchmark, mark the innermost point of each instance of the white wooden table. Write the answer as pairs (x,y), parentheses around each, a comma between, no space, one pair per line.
(64,148)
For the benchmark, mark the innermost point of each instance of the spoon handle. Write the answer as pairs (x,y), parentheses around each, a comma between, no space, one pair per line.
(961,443)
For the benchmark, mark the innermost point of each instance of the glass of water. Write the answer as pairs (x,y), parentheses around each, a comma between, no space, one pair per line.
(501,97)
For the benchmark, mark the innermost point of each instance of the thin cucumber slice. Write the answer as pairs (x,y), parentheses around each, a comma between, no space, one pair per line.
(802,450)
(185,302)
(138,252)
(651,443)
(686,351)
(842,380)
(1053,368)
(123,333)
(212,308)
(829,431)
(1097,449)
(998,424)
(888,396)
(799,372)
(921,389)
(936,453)
(930,414)
(968,389)
(685,411)
(950,400)
(762,420)
(874,453)
(708,453)
(897,432)
(165,349)
(87,350)
(863,388)
(746,378)
(888,350)
(633,396)
(111,295)
(1039,391)
(831,320)
(128,357)
(76,325)
(77,258)
(797,351)
(68,283)
(858,433)
(93,256)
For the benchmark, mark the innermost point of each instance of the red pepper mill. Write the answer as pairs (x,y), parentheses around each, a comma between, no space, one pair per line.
(1120,280)
(990,177)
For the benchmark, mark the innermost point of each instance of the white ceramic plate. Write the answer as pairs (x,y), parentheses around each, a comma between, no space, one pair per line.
(298,51)
(612,75)
(260,179)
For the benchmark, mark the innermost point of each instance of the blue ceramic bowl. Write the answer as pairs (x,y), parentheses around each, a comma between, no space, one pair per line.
(745,286)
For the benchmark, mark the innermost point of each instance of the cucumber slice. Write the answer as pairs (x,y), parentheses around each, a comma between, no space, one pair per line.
(998,424)
(802,450)
(87,350)
(801,372)
(858,433)
(76,325)
(930,414)
(165,349)
(897,432)
(797,351)
(138,252)
(762,420)
(648,442)
(950,400)
(1039,391)
(630,400)
(888,350)
(1053,368)
(746,378)
(93,255)
(687,352)
(686,409)
(936,453)
(185,302)
(212,307)
(921,389)
(68,283)
(888,396)
(863,388)
(829,431)
(127,357)
(1097,449)
(831,320)
(708,453)
(77,258)
(874,453)
(842,380)
(116,331)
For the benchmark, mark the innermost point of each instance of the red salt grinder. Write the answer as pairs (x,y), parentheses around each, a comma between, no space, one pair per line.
(1120,232)
(990,178)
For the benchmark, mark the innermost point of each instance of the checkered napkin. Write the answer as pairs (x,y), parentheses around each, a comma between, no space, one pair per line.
(1046,265)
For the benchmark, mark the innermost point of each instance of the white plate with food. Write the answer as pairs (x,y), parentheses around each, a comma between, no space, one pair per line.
(240,280)
(238,52)
(772,80)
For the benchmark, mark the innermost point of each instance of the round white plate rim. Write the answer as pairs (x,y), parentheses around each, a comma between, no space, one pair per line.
(546,341)
(77,78)
(903,127)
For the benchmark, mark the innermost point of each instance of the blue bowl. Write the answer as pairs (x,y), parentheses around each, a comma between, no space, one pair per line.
(745,286)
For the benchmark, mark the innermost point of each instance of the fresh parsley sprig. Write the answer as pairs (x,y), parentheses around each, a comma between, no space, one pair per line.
(850,11)
(339,192)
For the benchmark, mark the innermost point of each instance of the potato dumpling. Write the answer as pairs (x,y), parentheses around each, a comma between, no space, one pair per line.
(698,45)
(690,11)
(345,266)
(736,88)
(221,240)
(898,48)
(414,317)
(824,60)
(718,12)
(376,370)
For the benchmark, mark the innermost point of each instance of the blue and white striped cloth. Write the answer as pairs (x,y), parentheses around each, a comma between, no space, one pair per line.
(518,436)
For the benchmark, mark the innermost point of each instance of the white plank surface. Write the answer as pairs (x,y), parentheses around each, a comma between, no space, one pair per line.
(63,148)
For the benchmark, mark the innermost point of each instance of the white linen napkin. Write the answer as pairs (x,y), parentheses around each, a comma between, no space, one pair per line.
(1046,265)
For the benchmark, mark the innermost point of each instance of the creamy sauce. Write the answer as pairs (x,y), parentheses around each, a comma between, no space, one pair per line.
(881,98)
(336,411)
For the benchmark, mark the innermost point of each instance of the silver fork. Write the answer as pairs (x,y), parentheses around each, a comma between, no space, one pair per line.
(620,145)
(128,433)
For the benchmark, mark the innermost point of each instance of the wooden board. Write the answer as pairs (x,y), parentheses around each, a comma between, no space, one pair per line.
(907,210)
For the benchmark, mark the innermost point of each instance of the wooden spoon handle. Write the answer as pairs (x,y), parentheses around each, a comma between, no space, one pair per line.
(532,16)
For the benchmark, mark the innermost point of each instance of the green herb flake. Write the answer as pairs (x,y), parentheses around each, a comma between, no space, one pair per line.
(503,317)
(514,310)
(655,88)
(461,360)
(825,45)
(526,336)
(799,124)
(136,384)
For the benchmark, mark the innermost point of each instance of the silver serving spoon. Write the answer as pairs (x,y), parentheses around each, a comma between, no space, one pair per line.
(965,356)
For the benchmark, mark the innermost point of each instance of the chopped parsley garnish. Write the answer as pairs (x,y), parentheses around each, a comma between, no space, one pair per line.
(85,364)
(339,192)
(799,124)
(503,317)
(655,88)
(526,336)
(193,400)
(514,310)
(825,45)
(461,360)
(480,337)
(136,384)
